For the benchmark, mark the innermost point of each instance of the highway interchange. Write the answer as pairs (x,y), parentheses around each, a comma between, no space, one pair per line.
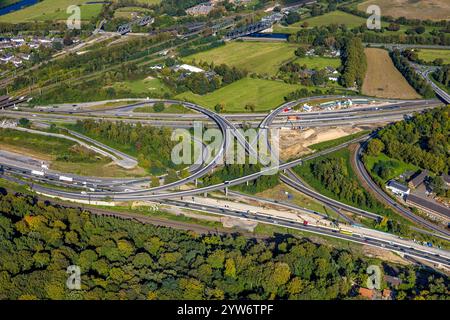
(116,190)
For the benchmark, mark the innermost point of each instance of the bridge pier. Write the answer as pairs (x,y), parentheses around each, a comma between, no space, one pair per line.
(226,191)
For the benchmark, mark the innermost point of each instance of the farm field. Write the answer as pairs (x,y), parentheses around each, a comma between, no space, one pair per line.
(319,63)
(431,54)
(264,94)
(51,10)
(383,80)
(429,9)
(258,57)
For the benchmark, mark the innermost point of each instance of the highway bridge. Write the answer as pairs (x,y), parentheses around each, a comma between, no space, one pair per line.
(127,27)
(425,72)
(249,29)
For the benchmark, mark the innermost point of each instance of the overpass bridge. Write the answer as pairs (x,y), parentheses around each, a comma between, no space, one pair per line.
(126,28)
(425,71)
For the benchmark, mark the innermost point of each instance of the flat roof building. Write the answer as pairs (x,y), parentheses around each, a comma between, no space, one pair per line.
(397,188)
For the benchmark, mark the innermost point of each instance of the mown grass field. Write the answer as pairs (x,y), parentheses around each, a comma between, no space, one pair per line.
(127,12)
(169,108)
(383,80)
(429,9)
(431,54)
(399,168)
(258,57)
(334,17)
(319,62)
(51,10)
(264,94)
(142,86)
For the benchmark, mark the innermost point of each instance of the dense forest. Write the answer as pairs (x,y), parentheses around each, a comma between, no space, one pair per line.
(415,80)
(336,32)
(121,259)
(354,62)
(423,140)
(151,145)
(442,75)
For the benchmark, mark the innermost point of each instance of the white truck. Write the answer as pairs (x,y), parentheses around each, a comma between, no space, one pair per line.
(66,179)
(38,173)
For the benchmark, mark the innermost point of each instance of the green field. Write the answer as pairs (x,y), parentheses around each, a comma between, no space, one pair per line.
(429,55)
(334,17)
(169,108)
(264,94)
(399,168)
(319,63)
(50,146)
(51,10)
(142,86)
(127,12)
(64,155)
(149,1)
(258,57)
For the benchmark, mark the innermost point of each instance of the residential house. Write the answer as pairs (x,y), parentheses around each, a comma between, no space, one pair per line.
(418,179)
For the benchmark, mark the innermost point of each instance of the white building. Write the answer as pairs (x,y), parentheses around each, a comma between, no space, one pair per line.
(189,68)
(397,188)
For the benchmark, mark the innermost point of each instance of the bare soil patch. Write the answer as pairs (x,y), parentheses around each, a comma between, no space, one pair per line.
(295,143)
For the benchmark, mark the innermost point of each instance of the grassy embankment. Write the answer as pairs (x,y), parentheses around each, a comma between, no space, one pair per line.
(63,155)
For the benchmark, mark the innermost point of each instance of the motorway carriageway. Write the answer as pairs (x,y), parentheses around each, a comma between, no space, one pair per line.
(397,109)
(438,257)
(396,245)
